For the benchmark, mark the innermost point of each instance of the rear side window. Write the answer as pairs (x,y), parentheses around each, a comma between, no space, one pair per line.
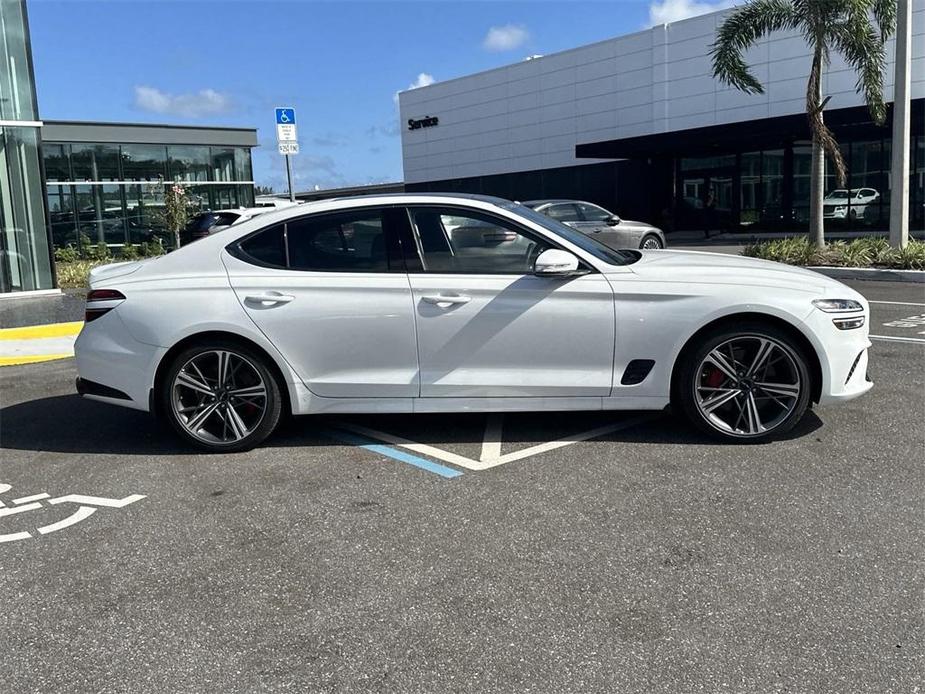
(350,241)
(268,247)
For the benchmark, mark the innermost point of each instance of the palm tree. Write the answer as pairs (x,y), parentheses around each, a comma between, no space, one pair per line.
(858,29)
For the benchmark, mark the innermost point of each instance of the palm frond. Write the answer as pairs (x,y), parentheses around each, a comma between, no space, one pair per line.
(862,47)
(739,31)
(885,16)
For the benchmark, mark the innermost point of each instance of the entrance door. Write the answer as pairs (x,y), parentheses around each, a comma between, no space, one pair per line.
(706,200)
(488,327)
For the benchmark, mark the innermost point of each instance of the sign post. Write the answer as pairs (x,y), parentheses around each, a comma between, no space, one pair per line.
(287,141)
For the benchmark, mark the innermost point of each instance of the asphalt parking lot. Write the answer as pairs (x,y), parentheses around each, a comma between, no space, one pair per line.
(611,552)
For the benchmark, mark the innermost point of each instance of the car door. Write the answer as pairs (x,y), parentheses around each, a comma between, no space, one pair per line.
(331,292)
(598,221)
(488,327)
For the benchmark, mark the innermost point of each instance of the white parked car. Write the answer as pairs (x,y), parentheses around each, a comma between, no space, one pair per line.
(848,204)
(446,303)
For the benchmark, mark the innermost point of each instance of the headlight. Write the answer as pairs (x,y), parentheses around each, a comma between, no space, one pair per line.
(837,305)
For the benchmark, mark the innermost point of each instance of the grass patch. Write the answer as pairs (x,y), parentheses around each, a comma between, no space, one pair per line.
(863,252)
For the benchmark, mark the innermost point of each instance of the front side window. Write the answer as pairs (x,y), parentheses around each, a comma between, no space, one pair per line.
(593,213)
(467,241)
(563,213)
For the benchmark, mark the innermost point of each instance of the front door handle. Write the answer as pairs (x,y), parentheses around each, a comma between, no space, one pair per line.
(444,301)
(270,298)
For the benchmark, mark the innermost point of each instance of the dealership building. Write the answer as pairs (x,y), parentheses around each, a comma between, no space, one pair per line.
(73,183)
(639,125)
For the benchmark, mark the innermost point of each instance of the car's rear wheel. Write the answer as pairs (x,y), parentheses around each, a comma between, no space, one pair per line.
(221,397)
(651,242)
(748,383)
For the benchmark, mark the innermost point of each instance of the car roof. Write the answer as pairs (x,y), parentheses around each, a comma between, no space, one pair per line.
(555,201)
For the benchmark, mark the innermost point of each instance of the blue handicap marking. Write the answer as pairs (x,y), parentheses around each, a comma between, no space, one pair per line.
(285,116)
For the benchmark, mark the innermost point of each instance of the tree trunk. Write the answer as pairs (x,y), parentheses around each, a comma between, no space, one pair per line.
(816,192)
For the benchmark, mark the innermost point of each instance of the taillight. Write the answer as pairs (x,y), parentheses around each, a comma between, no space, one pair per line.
(101,301)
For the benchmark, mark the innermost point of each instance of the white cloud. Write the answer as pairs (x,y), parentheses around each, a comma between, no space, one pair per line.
(505,38)
(203,103)
(423,80)
(669,11)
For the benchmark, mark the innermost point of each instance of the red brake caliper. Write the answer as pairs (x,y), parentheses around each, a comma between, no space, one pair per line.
(715,377)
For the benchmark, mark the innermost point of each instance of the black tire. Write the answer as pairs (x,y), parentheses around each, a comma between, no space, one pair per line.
(691,374)
(650,239)
(263,424)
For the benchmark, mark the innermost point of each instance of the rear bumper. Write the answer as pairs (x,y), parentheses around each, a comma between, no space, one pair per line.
(112,366)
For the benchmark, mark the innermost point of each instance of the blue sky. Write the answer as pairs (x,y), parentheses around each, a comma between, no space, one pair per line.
(229,62)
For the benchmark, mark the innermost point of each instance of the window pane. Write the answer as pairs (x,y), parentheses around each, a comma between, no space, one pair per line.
(61,217)
(144,214)
(223,164)
(462,241)
(16,88)
(267,247)
(95,162)
(144,162)
(864,204)
(348,242)
(57,167)
(188,163)
(242,164)
(563,213)
(593,213)
(100,218)
(25,263)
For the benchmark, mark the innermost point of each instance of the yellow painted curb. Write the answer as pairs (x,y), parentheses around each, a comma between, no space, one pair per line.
(32,359)
(33,332)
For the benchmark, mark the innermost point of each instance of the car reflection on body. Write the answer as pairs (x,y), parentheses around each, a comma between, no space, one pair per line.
(449,303)
(605,226)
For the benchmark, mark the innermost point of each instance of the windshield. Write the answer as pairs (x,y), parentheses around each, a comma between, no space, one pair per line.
(585,243)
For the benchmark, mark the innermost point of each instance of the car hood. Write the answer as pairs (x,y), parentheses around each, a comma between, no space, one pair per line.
(719,268)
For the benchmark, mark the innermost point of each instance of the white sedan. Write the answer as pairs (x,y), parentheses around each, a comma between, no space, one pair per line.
(444,303)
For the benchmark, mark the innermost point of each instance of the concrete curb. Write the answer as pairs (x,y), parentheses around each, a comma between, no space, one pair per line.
(37,343)
(865,273)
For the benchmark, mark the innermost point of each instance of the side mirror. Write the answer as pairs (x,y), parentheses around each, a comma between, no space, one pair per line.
(613,220)
(555,263)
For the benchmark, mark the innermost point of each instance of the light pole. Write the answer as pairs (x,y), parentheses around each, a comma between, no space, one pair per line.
(899,171)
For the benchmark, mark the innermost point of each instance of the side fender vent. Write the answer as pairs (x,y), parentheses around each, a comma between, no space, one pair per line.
(636,371)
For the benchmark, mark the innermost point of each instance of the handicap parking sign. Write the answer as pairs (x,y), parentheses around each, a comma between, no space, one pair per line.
(285,116)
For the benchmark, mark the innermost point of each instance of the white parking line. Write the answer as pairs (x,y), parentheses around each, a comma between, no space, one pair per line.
(491,443)
(890,338)
(896,303)
(494,443)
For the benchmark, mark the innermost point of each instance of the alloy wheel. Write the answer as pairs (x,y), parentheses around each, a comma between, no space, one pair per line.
(651,244)
(748,385)
(219,397)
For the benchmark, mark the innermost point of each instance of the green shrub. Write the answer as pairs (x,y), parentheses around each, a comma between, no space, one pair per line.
(75,274)
(129,252)
(98,252)
(863,252)
(149,249)
(66,254)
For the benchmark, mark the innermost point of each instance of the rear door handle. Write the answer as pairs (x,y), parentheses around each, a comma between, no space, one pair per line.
(444,301)
(270,298)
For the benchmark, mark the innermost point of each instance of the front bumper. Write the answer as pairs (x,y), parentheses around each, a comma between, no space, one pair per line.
(843,357)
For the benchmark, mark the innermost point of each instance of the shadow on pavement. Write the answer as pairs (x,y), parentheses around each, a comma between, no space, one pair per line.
(71,424)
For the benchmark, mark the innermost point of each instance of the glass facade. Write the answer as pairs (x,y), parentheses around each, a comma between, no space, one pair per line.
(114,193)
(25,260)
(768,189)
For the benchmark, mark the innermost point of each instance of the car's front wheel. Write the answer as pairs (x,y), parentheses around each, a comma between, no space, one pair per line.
(220,396)
(651,242)
(748,383)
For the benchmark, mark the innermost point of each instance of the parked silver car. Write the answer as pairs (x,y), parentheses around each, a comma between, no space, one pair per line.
(604,226)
